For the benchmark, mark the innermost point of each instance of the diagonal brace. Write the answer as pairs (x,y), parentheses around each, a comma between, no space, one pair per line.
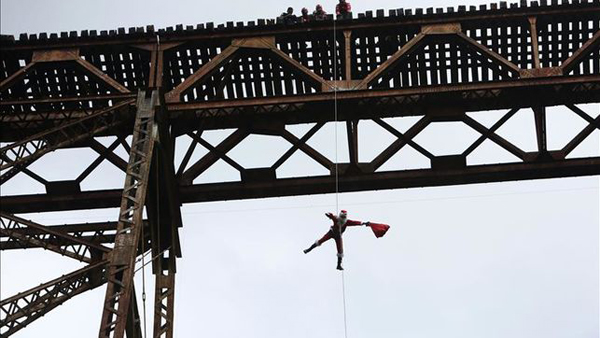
(485,135)
(212,157)
(19,155)
(494,137)
(401,142)
(296,146)
(308,150)
(404,138)
(49,239)
(22,309)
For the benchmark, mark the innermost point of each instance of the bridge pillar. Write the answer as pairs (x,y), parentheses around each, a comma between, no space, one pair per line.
(120,272)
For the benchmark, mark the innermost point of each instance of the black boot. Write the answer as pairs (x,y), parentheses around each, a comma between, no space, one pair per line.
(339,265)
(310,249)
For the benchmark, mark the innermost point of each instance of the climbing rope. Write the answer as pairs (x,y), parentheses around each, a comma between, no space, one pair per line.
(335,112)
(143,281)
(344,301)
(153,259)
(337,181)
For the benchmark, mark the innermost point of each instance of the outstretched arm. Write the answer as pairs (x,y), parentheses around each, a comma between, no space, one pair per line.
(351,223)
(330,216)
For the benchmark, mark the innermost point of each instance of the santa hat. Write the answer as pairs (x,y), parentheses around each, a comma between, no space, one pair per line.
(343,213)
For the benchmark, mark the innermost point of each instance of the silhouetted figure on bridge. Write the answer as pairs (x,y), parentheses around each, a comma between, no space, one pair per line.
(319,14)
(343,10)
(305,16)
(288,17)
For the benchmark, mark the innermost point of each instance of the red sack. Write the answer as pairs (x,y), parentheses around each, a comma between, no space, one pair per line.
(379,229)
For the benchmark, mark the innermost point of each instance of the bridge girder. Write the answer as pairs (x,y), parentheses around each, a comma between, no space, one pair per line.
(61,93)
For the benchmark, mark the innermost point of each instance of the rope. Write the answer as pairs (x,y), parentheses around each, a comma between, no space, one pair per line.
(143,282)
(337,181)
(153,258)
(344,298)
(144,278)
(143,267)
(335,111)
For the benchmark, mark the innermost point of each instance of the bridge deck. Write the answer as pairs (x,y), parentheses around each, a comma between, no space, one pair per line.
(258,78)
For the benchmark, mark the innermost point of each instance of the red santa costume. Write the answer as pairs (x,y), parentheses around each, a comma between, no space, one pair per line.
(343,10)
(340,223)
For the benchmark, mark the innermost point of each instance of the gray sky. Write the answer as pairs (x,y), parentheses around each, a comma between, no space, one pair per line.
(517,259)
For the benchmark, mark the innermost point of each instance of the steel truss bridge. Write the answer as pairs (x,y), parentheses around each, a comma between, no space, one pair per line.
(148,88)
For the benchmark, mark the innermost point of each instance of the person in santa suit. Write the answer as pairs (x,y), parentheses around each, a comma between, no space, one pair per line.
(343,10)
(337,229)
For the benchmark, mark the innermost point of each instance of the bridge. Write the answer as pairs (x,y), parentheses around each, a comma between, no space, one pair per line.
(149,88)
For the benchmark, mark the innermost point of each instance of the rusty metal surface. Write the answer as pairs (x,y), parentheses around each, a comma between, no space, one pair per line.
(47,238)
(369,19)
(471,49)
(67,91)
(17,156)
(20,310)
(129,229)
(96,233)
(320,184)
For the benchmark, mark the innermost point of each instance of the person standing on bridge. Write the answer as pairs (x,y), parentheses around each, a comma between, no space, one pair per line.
(288,17)
(319,14)
(343,10)
(305,16)
(340,223)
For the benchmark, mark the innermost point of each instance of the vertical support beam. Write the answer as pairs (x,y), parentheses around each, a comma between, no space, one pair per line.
(164,295)
(352,131)
(164,211)
(133,327)
(156,65)
(122,259)
(348,54)
(540,128)
(159,67)
(153,66)
(534,41)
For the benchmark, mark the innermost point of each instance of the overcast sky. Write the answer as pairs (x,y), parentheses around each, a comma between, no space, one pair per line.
(516,259)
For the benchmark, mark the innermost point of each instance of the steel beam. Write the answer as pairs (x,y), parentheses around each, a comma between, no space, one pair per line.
(164,296)
(319,185)
(96,233)
(122,260)
(406,18)
(163,209)
(17,156)
(22,309)
(50,112)
(391,180)
(49,239)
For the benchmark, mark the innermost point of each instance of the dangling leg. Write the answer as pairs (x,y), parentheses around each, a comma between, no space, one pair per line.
(317,243)
(340,251)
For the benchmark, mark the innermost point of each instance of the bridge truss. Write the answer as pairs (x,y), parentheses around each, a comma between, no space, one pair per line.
(148,89)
